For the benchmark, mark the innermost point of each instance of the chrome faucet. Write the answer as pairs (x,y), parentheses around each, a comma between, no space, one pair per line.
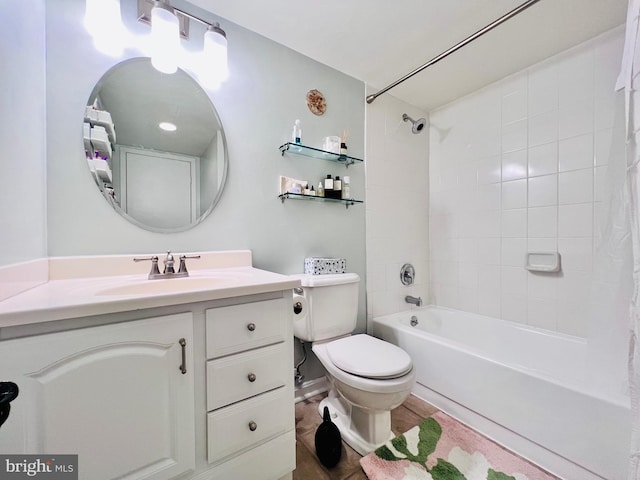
(168,264)
(169,270)
(417,301)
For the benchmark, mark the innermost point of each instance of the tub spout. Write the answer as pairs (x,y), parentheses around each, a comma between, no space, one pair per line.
(416,301)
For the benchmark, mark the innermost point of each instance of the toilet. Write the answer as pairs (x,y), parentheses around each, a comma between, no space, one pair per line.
(369,377)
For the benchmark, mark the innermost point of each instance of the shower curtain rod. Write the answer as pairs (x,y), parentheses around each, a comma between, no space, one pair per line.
(446,53)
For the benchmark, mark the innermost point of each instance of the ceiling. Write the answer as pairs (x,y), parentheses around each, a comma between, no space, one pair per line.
(378,41)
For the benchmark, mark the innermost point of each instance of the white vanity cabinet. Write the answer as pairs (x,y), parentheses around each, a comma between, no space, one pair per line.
(121,396)
(250,401)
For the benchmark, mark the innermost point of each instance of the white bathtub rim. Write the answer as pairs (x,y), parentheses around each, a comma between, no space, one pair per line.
(620,399)
(500,321)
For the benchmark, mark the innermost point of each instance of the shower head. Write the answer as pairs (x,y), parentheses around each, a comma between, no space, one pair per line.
(418,125)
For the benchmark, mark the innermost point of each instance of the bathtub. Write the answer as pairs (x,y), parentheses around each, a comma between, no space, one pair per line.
(526,388)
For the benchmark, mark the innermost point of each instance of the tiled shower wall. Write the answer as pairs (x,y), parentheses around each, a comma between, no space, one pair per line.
(397,205)
(521,166)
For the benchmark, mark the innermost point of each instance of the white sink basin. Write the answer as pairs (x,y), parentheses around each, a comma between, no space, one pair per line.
(151,287)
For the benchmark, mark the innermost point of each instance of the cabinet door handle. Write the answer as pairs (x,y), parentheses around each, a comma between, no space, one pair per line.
(253,426)
(183,365)
(252,377)
(251,327)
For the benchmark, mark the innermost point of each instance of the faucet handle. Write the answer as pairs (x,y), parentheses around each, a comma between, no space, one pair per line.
(183,263)
(154,264)
(407,274)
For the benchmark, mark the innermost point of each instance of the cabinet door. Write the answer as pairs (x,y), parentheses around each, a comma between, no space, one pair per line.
(115,395)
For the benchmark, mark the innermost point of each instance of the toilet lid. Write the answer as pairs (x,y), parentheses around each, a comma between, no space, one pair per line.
(369,357)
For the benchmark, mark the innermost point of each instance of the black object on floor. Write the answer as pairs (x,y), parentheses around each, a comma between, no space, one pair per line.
(8,393)
(328,441)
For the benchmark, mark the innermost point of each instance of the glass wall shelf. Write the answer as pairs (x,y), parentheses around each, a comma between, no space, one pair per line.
(317,153)
(300,196)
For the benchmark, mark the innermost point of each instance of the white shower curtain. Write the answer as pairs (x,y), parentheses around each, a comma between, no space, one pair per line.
(629,80)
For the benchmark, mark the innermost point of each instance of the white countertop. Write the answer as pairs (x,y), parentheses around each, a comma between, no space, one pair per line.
(67,298)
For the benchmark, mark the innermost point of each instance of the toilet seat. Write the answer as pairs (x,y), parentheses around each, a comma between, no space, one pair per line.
(372,385)
(369,357)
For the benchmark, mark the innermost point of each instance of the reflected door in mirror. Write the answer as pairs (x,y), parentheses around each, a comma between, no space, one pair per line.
(158,188)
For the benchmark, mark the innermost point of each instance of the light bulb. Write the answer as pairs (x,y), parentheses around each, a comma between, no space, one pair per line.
(92,14)
(102,20)
(165,38)
(214,67)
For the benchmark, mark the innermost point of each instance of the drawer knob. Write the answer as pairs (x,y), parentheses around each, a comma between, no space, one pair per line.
(253,426)
(252,377)
(251,327)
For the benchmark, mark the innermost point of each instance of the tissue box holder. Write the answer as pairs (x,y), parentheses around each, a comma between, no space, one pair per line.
(323,266)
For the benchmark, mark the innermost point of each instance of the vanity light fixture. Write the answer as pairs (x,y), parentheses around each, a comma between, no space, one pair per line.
(168,25)
(215,54)
(165,38)
(102,20)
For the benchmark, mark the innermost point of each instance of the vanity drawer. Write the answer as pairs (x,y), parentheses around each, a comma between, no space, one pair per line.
(236,377)
(243,425)
(241,327)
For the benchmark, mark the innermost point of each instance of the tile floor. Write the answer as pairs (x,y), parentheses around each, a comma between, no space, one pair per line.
(407,415)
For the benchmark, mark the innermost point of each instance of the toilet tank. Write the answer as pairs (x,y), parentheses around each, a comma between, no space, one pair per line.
(330,306)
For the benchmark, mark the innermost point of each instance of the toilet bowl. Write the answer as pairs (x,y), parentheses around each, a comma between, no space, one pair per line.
(368,376)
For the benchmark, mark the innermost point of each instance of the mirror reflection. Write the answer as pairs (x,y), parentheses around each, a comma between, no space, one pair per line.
(155,146)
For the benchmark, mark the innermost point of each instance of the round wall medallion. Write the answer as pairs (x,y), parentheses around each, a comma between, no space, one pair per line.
(316,102)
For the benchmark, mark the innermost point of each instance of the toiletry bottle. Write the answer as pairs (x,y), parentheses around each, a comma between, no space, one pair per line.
(296,135)
(312,192)
(337,187)
(306,190)
(320,191)
(343,149)
(328,187)
(346,187)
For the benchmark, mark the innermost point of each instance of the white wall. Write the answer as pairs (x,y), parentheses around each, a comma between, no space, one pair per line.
(397,205)
(22,132)
(521,166)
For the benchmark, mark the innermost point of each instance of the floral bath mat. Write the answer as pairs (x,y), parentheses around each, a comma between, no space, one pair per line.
(441,448)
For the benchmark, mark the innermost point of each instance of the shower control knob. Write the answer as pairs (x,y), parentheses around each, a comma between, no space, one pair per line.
(253,426)
(252,377)
(407,274)
(251,327)
(297,308)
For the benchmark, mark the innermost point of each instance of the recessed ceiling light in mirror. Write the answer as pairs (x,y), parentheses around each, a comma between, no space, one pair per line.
(167,126)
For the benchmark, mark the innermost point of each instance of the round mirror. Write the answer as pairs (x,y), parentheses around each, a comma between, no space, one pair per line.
(155,146)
